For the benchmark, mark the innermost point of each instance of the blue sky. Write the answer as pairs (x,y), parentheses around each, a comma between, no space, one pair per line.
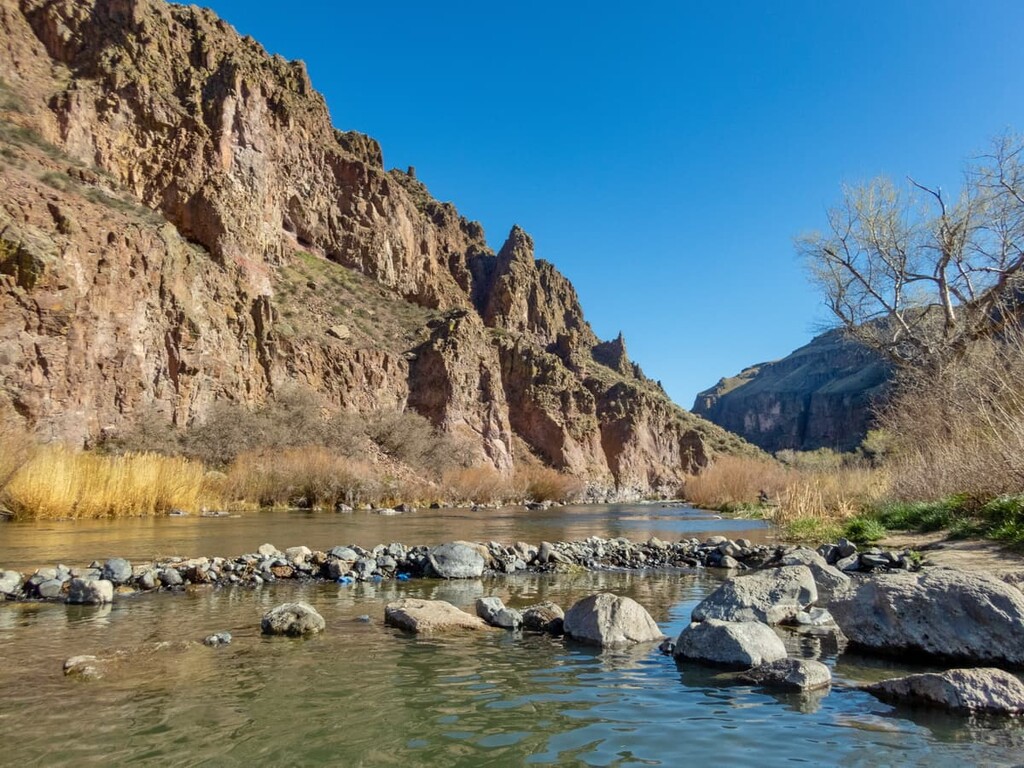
(664,155)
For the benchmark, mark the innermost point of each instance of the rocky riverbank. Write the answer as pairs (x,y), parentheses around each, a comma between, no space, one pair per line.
(99,582)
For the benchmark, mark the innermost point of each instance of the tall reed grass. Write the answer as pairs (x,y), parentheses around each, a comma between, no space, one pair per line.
(57,482)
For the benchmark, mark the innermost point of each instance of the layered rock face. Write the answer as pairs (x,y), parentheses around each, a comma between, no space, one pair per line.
(180,223)
(820,396)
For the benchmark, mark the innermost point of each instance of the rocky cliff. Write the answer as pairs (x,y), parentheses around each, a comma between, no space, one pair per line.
(181,223)
(820,396)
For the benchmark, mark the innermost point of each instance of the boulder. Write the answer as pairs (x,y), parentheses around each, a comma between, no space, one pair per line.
(117,570)
(828,579)
(90,592)
(171,577)
(457,560)
(772,596)
(50,589)
(493,611)
(292,619)
(790,674)
(737,644)
(942,612)
(268,550)
(610,621)
(10,583)
(427,616)
(544,617)
(984,691)
(298,555)
(344,553)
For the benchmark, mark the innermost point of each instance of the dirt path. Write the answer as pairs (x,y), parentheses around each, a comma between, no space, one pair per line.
(966,554)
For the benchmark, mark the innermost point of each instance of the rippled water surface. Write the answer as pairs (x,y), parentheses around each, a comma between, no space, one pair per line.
(365,694)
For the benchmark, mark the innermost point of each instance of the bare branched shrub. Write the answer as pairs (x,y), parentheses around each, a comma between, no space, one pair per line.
(410,438)
(309,476)
(960,430)
(546,484)
(16,444)
(481,485)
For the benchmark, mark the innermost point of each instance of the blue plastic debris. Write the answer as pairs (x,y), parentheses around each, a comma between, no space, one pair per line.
(345,580)
(402,577)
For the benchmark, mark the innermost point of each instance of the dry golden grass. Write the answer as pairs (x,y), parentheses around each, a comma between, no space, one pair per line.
(481,485)
(735,481)
(816,500)
(311,476)
(829,496)
(57,482)
(545,484)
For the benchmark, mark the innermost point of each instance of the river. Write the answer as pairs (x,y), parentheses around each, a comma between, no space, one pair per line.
(364,694)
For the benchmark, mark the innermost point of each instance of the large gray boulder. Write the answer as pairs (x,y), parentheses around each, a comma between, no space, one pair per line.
(610,621)
(544,617)
(90,592)
(828,579)
(117,570)
(429,616)
(493,611)
(292,619)
(457,560)
(945,613)
(790,675)
(985,690)
(771,596)
(10,583)
(739,644)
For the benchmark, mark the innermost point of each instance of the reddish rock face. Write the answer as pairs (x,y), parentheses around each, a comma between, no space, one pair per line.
(180,223)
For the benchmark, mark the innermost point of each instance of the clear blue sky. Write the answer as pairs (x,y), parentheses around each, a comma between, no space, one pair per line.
(664,155)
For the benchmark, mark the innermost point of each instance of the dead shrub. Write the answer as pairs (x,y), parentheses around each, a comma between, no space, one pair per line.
(546,484)
(960,430)
(311,476)
(480,485)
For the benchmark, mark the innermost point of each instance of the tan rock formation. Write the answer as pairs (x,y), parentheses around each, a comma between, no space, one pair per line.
(180,223)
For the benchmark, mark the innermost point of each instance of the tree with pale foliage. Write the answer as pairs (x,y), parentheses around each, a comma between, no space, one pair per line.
(918,275)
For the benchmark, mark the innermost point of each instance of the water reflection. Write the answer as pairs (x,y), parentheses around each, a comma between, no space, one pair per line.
(28,545)
(366,694)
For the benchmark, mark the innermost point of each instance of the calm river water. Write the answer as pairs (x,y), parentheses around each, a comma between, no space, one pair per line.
(364,694)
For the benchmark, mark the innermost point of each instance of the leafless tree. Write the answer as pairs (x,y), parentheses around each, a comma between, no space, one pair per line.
(917,275)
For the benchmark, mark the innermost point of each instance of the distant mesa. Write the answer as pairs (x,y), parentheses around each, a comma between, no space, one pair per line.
(819,396)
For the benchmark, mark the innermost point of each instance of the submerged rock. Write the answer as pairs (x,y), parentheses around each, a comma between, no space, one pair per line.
(790,674)
(735,644)
(493,611)
(772,596)
(983,691)
(218,639)
(942,613)
(544,617)
(292,619)
(610,621)
(427,616)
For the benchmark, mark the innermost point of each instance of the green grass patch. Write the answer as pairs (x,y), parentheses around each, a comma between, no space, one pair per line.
(812,529)
(864,530)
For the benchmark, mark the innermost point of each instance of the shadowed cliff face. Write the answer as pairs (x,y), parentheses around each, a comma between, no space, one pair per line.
(820,396)
(180,223)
